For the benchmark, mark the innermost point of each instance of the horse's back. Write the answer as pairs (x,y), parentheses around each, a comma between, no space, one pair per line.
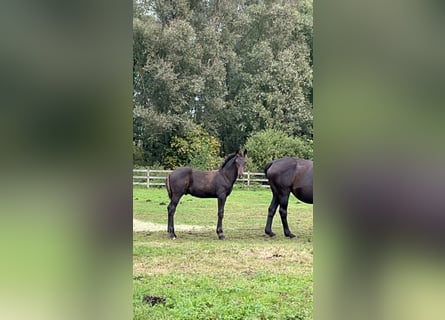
(290,172)
(180,173)
(283,167)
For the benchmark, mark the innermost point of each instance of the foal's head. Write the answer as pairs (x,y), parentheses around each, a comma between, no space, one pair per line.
(240,162)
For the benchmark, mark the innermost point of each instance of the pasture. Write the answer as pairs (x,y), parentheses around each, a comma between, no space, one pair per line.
(247,276)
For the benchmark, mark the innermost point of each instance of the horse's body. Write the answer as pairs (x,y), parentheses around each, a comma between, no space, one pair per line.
(288,175)
(204,184)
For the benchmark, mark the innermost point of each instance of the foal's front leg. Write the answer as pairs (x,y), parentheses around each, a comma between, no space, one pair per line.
(219,230)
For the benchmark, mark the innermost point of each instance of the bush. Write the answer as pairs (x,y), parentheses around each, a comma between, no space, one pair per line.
(267,145)
(196,148)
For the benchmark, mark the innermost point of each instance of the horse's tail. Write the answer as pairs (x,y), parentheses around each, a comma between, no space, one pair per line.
(267,168)
(167,185)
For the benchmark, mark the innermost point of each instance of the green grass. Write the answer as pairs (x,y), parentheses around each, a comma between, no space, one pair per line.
(247,276)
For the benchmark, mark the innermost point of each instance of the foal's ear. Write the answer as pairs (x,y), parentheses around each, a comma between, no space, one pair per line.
(245,152)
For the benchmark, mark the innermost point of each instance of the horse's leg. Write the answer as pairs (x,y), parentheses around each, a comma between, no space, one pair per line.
(283,201)
(272,209)
(171,212)
(219,230)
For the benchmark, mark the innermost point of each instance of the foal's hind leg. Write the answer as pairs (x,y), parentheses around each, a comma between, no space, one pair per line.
(272,209)
(171,212)
(283,201)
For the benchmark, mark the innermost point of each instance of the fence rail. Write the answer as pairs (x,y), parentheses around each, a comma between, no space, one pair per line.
(156,178)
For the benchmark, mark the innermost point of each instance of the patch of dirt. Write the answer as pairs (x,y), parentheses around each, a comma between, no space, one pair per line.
(151,300)
(141,226)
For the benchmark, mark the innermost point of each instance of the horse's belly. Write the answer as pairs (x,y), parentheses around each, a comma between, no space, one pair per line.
(202,194)
(304,194)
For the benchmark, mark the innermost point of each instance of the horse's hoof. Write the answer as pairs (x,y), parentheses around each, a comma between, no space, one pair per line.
(271,234)
(290,235)
(221,237)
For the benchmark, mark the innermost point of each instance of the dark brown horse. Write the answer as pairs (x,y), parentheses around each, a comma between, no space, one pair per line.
(287,175)
(204,184)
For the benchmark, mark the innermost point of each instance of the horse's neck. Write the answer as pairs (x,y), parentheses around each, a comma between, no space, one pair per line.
(230,172)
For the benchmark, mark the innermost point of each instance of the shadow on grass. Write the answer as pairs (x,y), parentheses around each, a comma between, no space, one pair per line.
(232,235)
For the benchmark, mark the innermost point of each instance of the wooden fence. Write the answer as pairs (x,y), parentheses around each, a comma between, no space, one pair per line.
(156,178)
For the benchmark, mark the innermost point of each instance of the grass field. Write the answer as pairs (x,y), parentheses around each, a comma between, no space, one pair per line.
(247,276)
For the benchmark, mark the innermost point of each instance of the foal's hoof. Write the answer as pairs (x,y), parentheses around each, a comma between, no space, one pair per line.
(172,236)
(290,235)
(221,237)
(270,234)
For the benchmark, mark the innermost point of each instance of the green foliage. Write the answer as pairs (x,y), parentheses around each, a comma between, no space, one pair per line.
(233,67)
(152,132)
(271,144)
(138,155)
(195,148)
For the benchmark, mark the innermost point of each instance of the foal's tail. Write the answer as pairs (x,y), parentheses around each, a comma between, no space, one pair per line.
(267,168)
(167,184)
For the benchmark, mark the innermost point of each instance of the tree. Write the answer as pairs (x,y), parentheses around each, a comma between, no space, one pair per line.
(233,67)
(152,132)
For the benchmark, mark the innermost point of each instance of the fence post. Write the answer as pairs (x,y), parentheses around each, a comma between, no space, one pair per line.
(248,179)
(148,178)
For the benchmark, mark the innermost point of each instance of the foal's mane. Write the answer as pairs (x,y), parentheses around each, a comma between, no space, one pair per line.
(230,157)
